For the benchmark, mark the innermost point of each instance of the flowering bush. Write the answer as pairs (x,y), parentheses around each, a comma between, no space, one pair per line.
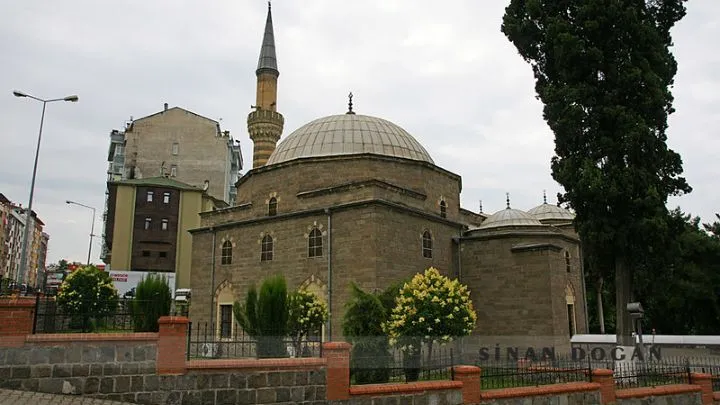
(87,294)
(306,315)
(430,309)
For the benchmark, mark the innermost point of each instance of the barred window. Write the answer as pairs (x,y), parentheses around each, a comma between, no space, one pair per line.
(266,252)
(315,243)
(443,209)
(568,267)
(427,245)
(226,253)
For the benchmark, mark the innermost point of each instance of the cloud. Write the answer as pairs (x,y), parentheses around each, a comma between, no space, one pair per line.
(441,70)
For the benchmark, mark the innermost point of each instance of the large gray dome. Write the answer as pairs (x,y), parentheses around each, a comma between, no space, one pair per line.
(349,134)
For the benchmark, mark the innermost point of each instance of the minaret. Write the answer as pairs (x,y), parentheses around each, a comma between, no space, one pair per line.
(265,124)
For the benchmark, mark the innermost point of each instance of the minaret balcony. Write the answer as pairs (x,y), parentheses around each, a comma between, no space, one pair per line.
(260,116)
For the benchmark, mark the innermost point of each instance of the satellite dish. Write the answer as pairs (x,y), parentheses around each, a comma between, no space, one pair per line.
(206,185)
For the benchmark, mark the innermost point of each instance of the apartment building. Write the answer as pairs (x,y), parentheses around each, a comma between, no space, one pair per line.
(13,221)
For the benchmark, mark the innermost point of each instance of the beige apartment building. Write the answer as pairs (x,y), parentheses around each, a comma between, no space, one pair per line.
(180,145)
(12,230)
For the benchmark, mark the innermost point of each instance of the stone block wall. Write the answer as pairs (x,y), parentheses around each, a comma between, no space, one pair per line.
(110,369)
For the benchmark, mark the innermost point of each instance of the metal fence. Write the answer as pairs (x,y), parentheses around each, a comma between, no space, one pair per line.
(397,366)
(507,373)
(207,342)
(52,318)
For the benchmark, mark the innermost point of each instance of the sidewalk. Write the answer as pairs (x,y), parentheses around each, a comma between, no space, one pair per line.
(8,397)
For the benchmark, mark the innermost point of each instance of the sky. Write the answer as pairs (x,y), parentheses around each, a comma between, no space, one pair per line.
(441,70)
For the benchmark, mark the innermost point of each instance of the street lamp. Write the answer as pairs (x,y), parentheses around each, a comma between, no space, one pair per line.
(636,313)
(23,258)
(92,227)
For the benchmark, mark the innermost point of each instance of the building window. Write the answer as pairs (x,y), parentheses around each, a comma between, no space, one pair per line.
(146,253)
(150,196)
(166,198)
(226,313)
(567,261)
(226,253)
(571,319)
(315,243)
(162,254)
(443,209)
(148,223)
(173,170)
(266,252)
(175,148)
(272,207)
(164,224)
(427,244)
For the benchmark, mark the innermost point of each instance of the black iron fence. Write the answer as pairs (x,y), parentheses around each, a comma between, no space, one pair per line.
(632,374)
(207,342)
(50,317)
(397,366)
(507,373)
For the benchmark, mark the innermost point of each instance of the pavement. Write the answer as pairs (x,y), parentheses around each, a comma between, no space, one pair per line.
(8,397)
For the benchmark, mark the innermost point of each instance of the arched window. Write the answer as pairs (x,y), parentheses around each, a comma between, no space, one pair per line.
(315,243)
(266,252)
(427,244)
(443,209)
(567,261)
(226,253)
(272,207)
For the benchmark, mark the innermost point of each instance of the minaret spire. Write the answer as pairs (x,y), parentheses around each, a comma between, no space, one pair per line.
(268,57)
(265,124)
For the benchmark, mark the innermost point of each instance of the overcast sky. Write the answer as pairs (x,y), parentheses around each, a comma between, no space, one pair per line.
(441,70)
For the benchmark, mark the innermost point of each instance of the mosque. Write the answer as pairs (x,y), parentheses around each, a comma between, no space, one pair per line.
(355,198)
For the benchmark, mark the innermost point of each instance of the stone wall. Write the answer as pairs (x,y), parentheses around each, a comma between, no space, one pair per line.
(570,398)
(106,369)
(677,399)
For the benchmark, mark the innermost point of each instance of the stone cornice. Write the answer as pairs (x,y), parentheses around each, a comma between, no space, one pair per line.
(341,188)
(325,211)
(547,231)
(533,247)
(238,207)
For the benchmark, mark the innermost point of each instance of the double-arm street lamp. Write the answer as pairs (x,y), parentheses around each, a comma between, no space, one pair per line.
(92,227)
(23,259)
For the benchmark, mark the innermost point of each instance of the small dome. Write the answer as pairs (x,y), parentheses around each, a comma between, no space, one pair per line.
(349,134)
(551,212)
(509,217)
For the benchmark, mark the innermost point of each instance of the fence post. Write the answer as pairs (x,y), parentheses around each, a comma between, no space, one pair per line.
(337,374)
(171,345)
(606,379)
(16,320)
(470,377)
(705,383)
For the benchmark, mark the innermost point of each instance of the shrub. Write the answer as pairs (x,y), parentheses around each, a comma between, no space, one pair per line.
(265,316)
(362,326)
(87,295)
(429,309)
(153,299)
(306,315)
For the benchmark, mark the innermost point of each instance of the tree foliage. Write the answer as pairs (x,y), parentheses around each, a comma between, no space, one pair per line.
(429,309)
(264,316)
(603,71)
(152,300)
(307,313)
(87,295)
(362,326)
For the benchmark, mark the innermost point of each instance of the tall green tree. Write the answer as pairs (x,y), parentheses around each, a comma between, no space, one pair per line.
(265,316)
(603,70)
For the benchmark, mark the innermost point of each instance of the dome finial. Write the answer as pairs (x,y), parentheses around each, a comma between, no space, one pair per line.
(544,197)
(481,207)
(350,97)
(507,200)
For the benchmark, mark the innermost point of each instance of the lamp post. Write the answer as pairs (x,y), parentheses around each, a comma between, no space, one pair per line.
(26,234)
(92,226)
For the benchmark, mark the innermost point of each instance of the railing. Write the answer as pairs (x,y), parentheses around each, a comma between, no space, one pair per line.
(508,373)
(206,342)
(397,366)
(52,318)
(651,373)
